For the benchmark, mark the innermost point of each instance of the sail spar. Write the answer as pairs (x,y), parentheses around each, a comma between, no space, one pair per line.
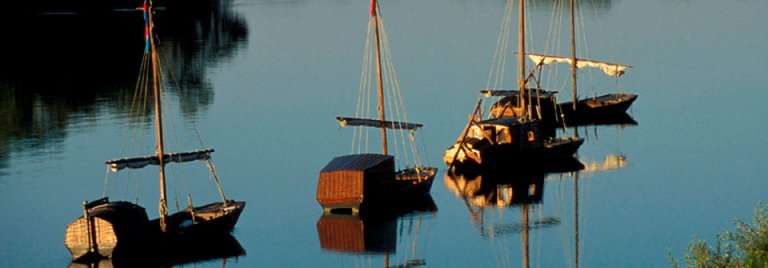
(610,69)
(143,161)
(350,121)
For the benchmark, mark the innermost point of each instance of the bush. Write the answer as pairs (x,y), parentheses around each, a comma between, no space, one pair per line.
(746,247)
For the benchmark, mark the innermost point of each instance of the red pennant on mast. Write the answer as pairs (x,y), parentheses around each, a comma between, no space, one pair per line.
(373,8)
(146,27)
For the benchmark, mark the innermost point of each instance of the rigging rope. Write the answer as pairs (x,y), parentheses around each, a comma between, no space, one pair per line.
(394,98)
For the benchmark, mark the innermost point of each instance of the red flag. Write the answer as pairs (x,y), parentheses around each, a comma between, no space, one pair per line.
(373,8)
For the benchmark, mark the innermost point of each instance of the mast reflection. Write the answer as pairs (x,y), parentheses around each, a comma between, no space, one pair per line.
(489,193)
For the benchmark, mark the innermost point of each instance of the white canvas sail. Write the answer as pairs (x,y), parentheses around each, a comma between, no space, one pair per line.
(610,69)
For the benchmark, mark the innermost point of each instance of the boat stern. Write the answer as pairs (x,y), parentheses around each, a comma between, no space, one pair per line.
(90,237)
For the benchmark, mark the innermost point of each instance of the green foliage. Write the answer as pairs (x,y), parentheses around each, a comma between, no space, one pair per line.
(746,247)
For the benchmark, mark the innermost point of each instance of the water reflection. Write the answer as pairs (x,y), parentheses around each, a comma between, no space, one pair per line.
(221,248)
(71,66)
(378,233)
(612,160)
(621,119)
(487,195)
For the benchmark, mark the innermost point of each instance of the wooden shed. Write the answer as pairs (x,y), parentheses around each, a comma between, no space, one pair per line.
(346,180)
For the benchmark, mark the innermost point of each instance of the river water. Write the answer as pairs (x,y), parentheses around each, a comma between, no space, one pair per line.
(264,80)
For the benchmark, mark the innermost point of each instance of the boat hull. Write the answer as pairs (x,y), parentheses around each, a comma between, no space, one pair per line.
(210,220)
(500,156)
(122,228)
(598,106)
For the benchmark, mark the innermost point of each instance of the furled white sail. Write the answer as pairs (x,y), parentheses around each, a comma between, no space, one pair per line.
(610,69)
(514,92)
(349,121)
(143,161)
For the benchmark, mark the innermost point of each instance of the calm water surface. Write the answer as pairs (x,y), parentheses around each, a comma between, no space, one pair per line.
(265,79)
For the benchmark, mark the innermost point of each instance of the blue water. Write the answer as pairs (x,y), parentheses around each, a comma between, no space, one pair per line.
(266,79)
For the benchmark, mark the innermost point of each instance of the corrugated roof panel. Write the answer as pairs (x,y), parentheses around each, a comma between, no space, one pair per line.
(358,162)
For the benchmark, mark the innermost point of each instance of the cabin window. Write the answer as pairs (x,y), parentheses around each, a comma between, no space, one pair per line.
(503,136)
(531,136)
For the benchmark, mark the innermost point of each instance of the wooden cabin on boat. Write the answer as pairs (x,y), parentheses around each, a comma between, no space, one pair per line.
(103,226)
(493,138)
(346,180)
(544,104)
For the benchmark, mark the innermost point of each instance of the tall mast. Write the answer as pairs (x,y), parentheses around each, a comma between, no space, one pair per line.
(573,55)
(375,19)
(158,120)
(521,59)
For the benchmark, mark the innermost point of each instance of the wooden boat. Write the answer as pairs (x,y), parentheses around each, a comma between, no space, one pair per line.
(520,137)
(553,114)
(604,105)
(108,226)
(348,181)
(598,105)
(614,103)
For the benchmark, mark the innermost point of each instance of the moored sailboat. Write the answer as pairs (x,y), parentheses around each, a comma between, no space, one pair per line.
(108,226)
(348,181)
(504,140)
(596,106)
(577,110)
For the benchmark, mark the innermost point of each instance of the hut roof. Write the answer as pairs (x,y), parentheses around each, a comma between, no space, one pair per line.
(359,162)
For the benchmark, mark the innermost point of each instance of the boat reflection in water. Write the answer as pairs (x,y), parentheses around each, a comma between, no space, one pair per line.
(611,161)
(224,248)
(487,195)
(484,192)
(620,119)
(378,232)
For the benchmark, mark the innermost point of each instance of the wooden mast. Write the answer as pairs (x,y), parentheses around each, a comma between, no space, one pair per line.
(375,19)
(573,65)
(573,55)
(521,60)
(158,122)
